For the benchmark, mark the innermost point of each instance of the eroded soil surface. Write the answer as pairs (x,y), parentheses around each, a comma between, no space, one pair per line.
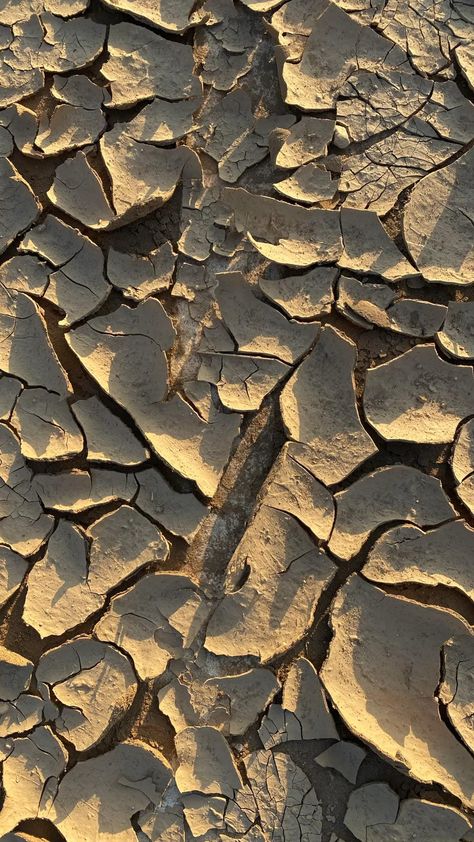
(236,420)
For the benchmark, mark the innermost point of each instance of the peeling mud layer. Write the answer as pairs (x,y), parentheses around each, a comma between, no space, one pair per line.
(236,421)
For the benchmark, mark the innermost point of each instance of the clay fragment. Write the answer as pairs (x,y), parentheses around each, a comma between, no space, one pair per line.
(78,286)
(437,223)
(345,757)
(93,683)
(304,142)
(24,527)
(408,554)
(138,277)
(282,232)
(286,801)
(114,787)
(256,326)
(142,64)
(308,185)
(304,296)
(242,381)
(397,492)
(156,620)
(77,491)
(12,570)
(107,437)
(45,426)
(21,206)
(457,336)
(69,127)
(304,712)
(180,514)
(170,15)
(369,805)
(369,249)
(332,440)
(30,795)
(418,397)
(205,763)
(376,304)
(403,721)
(456,688)
(284,574)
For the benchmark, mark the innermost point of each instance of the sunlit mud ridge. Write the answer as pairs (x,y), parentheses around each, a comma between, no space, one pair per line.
(236,421)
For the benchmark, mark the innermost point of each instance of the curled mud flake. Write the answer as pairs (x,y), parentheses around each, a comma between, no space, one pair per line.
(12,571)
(137,276)
(386,649)
(285,233)
(376,304)
(396,492)
(165,822)
(304,712)
(344,757)
(124,351)
(142,64)
(19,128)
(456,689)
(406,554)
(77,491)
(303,143)
(457,336)
(227,46)
(320,64)
(438,220)
(229,132)
(304,296)
(368,249)
(92,682)
(369,805)
(78,191)
(58,597)
(332,441)
(45,426)
(465,59)
(69,127)
(309,185)
(25,348)
(242,381)
(231,703)
(171,15)
(418,397)
(273,583)
(24,527)
(31,768)
(155,621)
(143,176)
(78,286)
(15,674)
(10,388)
(79,91)
(163,121)
(67,44)
(257,327)
(179,513)
(107,437)
(20,208)
(114,787)
(287,803)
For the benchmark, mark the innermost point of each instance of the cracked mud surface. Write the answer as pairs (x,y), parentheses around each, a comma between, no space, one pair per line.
(236,421)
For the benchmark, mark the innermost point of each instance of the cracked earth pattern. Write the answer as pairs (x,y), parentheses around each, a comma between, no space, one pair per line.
(236,420)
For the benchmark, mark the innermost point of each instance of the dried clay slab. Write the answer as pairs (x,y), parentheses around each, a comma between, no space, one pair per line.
(457,336)
(418,397)
(462,463)
(318,406)
(400,719)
